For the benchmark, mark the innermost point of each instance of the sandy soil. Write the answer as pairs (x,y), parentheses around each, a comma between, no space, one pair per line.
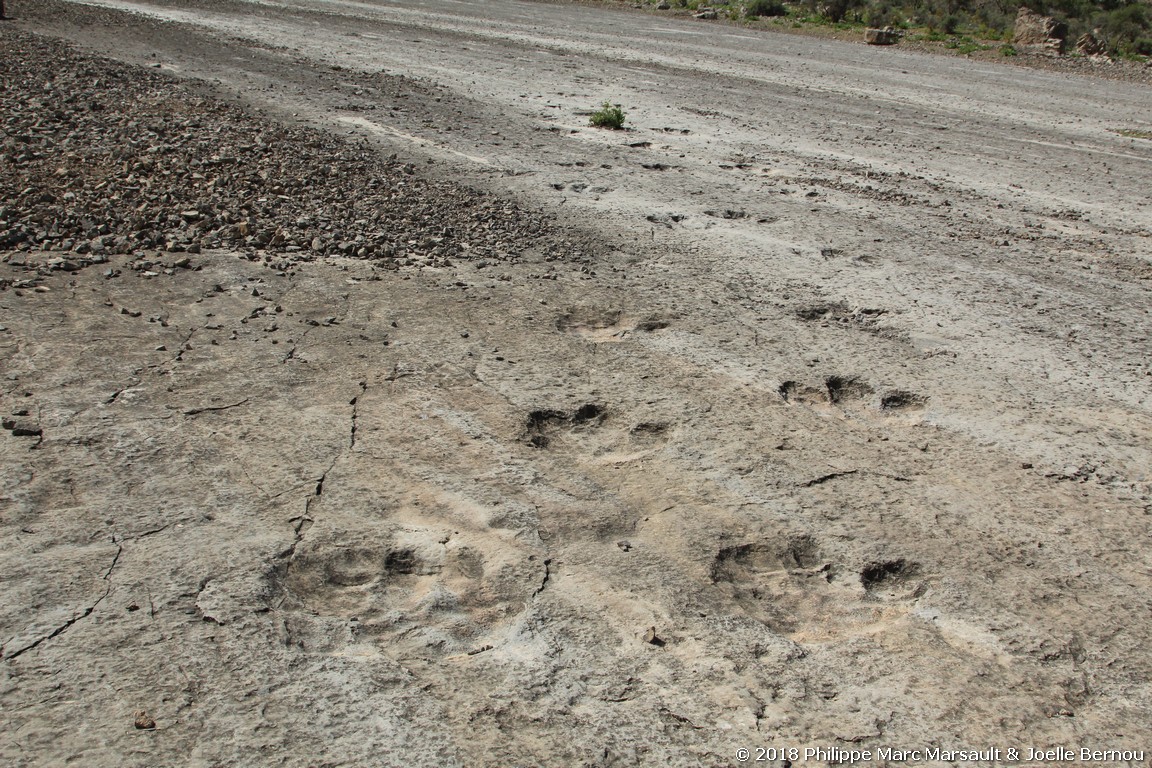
(829,429)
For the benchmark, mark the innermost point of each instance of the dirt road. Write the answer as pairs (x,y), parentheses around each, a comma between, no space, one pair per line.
(838,436)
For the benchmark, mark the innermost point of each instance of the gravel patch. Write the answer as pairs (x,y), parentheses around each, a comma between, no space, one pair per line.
(101,158)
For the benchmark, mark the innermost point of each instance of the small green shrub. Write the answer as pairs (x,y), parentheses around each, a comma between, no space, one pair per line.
(881,15)
(947,23)
(766,8)
(1126,29)
(835,11)
(1007,50)
(608,116)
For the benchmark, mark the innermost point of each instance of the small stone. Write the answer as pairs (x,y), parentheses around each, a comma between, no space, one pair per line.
(22,428)
(144,721)
(651,638)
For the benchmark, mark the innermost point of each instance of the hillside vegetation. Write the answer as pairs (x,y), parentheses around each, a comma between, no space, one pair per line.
(1124,25)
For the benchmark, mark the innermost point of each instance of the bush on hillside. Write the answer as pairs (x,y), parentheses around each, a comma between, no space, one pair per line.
(766,8)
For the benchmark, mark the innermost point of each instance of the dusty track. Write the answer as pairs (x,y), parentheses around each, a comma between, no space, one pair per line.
(852,407)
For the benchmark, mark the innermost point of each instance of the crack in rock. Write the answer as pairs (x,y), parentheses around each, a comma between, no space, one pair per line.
(825,478)
(547,577)
(292,352)
(206,408)
(149,532)
(356,413)
(304,522)
(847,472)
(320,482)
(68,624)
(183,347)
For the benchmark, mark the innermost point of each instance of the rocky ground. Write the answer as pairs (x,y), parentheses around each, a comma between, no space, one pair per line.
(103,160)
(362,411)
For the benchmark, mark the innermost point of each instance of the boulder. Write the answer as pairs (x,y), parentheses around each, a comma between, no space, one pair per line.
(1039,34)
(885,36)
(1092,44)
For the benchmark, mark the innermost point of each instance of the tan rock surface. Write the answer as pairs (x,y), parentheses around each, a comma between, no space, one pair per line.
(814,414)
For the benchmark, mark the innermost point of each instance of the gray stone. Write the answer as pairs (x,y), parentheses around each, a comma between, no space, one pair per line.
(885,36)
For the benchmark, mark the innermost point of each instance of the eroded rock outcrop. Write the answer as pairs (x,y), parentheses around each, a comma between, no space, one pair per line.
(885,36)
(1039,34)
(1092,44)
